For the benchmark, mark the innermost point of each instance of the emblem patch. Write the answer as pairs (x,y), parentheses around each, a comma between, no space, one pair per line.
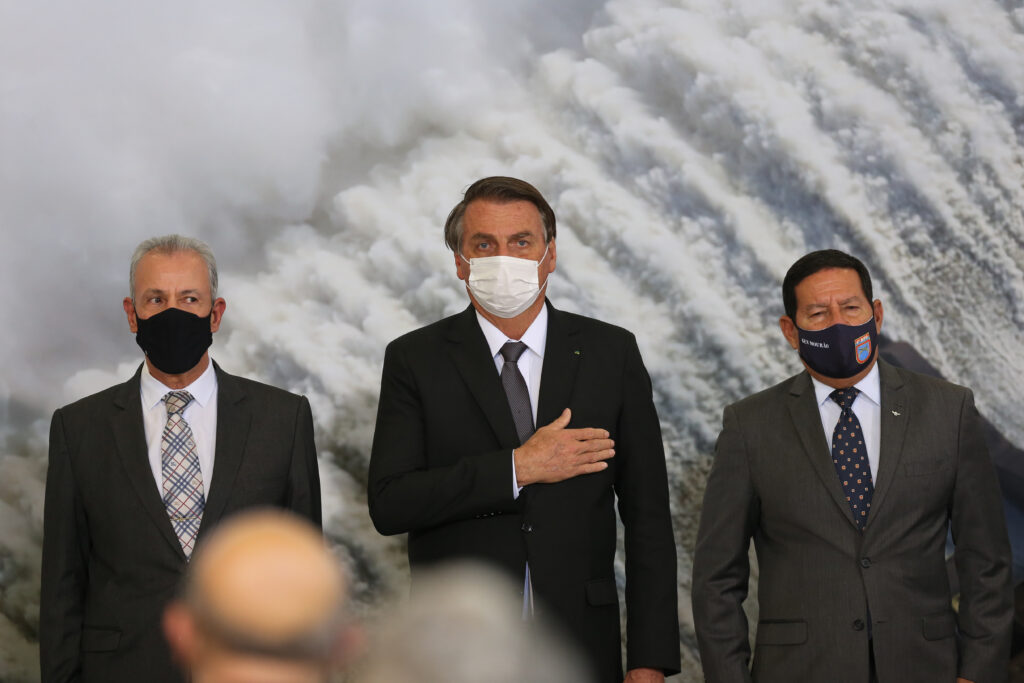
(862,345)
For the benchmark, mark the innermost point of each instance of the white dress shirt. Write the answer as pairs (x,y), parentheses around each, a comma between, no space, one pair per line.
(200,413)
(530,363)
(868,409)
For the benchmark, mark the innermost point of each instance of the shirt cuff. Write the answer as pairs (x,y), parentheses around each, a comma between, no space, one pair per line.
(515,487)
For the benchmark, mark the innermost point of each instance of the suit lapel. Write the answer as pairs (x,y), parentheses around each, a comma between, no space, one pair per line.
(130,442)
(233,419)
(561,361)
(893,428)
(803,409)
(468,349)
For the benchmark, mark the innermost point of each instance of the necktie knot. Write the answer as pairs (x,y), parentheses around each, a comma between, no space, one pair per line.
(176,401)
(845,397)
(511,351)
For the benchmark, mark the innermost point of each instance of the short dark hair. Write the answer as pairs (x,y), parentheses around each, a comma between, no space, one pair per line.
(501,189)
(816,261)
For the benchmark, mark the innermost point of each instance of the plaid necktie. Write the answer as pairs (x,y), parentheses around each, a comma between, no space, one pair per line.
(183,481)
(850,457)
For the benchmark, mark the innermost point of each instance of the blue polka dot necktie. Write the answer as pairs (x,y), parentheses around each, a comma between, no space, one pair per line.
(183,481)
(850,456)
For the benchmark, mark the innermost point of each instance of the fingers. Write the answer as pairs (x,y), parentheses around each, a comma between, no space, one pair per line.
(591,468)
(594,445)
(581,434)
(562,421)
(595,456)
(587,433)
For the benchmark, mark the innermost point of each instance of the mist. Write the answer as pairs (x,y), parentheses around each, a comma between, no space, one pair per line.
(692,150)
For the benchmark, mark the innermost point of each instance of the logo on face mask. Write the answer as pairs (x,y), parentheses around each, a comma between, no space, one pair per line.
(504,285)
(839,351)
(863,347)
(174,340)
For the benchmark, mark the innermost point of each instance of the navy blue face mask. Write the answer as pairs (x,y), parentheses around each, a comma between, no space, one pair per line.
(839,351)
(174,340)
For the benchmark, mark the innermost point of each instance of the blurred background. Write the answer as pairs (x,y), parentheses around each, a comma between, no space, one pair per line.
(692,150)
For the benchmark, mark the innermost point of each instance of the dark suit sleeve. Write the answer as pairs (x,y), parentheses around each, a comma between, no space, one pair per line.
(721,565)
(64,569)
(406,492)
(652,623)
(304,478)
(982,557)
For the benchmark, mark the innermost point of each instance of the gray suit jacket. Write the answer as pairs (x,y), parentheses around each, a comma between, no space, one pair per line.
(822,580)
(111,559)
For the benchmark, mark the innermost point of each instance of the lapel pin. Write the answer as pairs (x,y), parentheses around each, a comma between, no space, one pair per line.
(577,352)
(895,413)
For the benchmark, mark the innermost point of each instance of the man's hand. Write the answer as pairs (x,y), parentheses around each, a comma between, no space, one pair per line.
(555,453)
(644,676)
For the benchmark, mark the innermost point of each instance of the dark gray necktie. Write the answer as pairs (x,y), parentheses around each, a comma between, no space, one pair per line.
(516,391)
(522,414)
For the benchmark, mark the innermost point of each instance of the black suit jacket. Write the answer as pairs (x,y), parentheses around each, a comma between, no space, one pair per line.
(441,470)
(821,578)
(111,560)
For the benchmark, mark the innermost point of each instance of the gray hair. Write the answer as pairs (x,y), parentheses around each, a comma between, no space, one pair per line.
(172,244)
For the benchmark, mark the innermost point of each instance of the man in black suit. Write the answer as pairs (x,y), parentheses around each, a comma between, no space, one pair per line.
(457,463)
(847,477)
(140,472)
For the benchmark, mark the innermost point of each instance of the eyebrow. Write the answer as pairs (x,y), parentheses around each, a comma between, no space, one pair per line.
(851,299)
(159,292)
(494,238)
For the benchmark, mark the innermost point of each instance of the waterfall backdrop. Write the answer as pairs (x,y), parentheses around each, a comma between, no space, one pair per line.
(692,150)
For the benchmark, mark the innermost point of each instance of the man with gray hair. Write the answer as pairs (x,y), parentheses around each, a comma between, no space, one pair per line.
(140,472)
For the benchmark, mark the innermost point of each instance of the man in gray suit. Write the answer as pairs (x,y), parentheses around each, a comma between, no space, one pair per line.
(140,472)
(847,477)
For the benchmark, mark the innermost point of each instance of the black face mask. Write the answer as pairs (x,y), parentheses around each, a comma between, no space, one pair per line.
(839,351)
(174,340)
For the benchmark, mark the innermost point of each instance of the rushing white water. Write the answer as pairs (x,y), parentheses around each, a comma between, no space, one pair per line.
(692,150)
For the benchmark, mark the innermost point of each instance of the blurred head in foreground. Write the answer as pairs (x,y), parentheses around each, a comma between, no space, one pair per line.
(262,602)
(462,625)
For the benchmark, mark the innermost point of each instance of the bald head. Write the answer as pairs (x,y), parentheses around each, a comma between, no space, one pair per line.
(262,585)
(268,576)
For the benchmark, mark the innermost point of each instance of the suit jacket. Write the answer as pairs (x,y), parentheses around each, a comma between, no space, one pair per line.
(111,560)
(825,587)
(441,470)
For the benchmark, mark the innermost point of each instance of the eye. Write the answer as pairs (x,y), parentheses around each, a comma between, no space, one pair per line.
(191,299)
(154,300)
(522,243)
(483,245)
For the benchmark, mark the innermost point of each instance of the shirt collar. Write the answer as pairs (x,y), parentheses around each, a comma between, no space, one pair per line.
(868,385)
(202,389)
(535,337)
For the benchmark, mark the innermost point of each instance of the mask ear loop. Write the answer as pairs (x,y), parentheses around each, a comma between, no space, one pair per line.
(547,247)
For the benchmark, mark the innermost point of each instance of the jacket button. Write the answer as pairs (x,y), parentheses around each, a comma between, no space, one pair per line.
(858,624)
(865,562)
(527,527)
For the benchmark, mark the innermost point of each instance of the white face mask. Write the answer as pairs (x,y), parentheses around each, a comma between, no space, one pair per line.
(504,285)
